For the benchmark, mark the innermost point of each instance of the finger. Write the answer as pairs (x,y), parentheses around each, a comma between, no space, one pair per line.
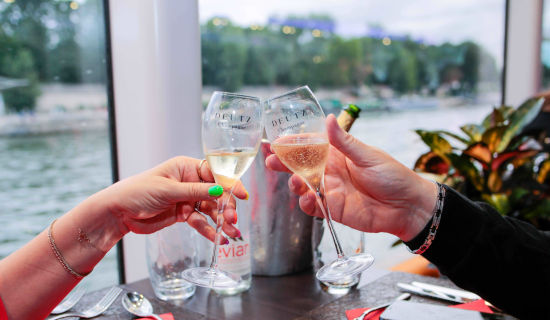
(308,204)
(297,185)
(230,212)
(240,192)
(210,209)
(352,148)
(199,223)
(205,172)
(274,163)
(190,191)
(231,230)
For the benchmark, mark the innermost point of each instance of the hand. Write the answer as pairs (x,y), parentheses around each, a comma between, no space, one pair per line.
(366,188)
(167,194)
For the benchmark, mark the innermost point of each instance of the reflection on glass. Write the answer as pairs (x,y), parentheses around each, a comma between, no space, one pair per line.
(54,143)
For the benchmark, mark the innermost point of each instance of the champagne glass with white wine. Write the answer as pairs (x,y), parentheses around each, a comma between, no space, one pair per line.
(231,134)
(295,125)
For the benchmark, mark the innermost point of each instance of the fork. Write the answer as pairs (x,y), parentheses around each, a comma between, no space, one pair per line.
(70,300)
(96,309)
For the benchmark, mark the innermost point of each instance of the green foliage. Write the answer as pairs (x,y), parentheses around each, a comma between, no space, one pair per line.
(495,162)
(273,57)
(17,63)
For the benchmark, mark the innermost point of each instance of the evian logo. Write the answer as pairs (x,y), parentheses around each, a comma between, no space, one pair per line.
(233,251)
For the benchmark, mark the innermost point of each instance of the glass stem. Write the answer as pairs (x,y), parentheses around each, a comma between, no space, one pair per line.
(321,199)
(222,203)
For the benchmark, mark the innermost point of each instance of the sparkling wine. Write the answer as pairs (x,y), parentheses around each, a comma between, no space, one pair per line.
(228,166)
(305,156)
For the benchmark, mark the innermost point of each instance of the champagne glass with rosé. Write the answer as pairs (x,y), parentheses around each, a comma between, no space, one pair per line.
(232,130)
(295,124)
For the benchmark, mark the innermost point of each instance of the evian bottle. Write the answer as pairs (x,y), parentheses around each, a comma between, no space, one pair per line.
(235,256)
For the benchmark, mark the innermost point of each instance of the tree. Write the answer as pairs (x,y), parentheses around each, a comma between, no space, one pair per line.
(470,67)
(17,62)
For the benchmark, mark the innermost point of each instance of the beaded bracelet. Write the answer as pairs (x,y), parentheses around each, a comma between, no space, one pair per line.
(60,258)
(436,218)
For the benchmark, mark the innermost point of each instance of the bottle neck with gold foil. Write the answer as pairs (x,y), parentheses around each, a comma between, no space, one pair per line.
(347,116)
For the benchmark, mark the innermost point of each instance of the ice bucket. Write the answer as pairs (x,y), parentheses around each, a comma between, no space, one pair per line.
(280,233)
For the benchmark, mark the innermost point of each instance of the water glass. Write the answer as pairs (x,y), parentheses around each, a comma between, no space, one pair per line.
(352,242)
(170,251)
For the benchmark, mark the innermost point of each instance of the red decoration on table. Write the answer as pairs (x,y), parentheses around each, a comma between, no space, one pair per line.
(164,316)
(477,305)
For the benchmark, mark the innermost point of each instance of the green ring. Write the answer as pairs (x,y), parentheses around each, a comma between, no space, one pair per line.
(215,191)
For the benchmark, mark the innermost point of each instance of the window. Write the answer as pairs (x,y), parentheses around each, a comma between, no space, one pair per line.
(408,64)
(54,141)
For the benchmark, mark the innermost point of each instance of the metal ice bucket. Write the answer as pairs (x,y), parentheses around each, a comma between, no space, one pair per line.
(280,233)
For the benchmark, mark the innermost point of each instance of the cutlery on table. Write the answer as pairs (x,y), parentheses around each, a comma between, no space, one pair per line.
(438,292)
(95,310)
(138,305)
(70,300)
(404,296)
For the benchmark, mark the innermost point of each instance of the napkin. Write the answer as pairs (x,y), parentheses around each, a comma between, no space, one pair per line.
(165,316)
(477,305)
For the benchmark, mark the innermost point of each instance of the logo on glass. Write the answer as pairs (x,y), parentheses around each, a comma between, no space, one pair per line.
(292,120)
(233,121)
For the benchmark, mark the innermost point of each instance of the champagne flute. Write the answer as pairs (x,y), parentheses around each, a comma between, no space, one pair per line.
(295,125)
(231,134)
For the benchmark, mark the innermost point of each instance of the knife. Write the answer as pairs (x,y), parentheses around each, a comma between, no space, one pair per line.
(431,293)
(455,292)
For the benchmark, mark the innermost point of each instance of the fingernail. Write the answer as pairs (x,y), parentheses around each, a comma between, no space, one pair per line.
(225,241)
(215,191)
(235,218)
(239,234)
(247,195)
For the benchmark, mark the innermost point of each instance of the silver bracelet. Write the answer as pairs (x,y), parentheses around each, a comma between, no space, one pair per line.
(438,210)
(59,256)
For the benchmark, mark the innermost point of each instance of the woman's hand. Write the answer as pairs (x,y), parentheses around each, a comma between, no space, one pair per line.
(167,194)
(366,188)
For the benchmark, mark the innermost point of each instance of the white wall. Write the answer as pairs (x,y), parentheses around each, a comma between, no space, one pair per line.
(523,50)
(157,90)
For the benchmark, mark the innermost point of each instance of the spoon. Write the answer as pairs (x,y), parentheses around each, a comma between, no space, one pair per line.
(137,304)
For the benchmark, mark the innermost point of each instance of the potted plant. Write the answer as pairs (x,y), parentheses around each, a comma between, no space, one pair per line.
(495,162)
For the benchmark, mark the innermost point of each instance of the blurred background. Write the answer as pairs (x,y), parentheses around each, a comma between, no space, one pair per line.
(424,64)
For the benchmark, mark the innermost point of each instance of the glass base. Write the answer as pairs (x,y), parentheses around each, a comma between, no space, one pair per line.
(211,278)
(174,289)
(345,267)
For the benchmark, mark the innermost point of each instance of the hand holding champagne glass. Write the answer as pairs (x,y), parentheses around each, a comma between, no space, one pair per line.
(231,135)
(295,125)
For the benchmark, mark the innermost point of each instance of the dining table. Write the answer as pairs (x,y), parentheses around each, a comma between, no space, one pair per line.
(296,296)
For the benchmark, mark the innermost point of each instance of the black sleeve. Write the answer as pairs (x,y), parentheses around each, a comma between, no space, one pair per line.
(504,260)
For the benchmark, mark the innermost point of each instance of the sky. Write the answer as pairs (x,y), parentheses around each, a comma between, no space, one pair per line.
(435,21)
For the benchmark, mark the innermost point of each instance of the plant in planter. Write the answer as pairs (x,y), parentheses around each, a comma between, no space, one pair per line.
(495,162)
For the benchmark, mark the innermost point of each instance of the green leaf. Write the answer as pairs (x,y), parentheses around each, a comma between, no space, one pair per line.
(542,210)
(499,201)
(480,152)
(497,117)
(436,142)
(473,131)
(519,119)
(452,135)
(492,137)
(517,195)
(494,182)
(467,169)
